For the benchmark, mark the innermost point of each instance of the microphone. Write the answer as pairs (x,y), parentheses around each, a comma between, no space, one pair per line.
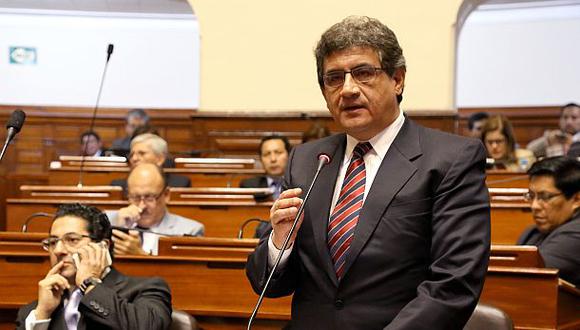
(14,125)
(243,226)
(33,216)
(323,160)
(92,125)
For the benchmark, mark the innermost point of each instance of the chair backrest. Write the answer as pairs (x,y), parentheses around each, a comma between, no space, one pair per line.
(181,320)
(487,317)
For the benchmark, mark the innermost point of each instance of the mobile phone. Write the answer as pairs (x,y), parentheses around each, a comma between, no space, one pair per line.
(77,257)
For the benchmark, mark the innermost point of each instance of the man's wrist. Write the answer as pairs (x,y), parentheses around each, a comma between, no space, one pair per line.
(41,314)
(89,283)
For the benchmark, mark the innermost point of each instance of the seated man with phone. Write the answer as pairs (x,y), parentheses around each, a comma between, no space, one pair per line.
(147,215)
(83,289)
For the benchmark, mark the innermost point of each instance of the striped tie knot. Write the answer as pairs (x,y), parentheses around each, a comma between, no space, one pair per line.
(361,149)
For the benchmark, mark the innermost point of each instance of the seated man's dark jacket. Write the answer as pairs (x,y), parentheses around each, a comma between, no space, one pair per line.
(260,181)
(560,248)
(574,150)
(120,302)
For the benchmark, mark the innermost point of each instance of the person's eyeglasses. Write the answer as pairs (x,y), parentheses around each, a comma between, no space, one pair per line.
(541,197)
(70,240)
(147,198)
(498,142)
(363,74)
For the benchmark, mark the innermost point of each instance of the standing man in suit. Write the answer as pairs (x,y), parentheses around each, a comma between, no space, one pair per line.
(148,195)
(396,233)
(83,290)
(554,197)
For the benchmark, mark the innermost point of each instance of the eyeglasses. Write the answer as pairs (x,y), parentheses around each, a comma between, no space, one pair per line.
(147,198)
(70,240)
(498,142)
(363,74)
(541,197)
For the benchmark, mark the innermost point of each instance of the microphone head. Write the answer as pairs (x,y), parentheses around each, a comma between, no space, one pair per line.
(16,120)
(324,158)
(110,49)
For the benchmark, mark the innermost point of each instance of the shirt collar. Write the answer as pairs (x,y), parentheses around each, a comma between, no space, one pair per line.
(380,142)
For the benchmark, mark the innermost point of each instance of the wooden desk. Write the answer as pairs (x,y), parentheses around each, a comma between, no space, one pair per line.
(506,179)
(508,221)
(207,279)
(216,177)
(221,219)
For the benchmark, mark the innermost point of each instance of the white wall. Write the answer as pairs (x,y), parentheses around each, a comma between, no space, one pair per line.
(519,57)
(155,63)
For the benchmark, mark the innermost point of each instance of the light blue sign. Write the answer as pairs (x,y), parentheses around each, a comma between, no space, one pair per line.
(23,55)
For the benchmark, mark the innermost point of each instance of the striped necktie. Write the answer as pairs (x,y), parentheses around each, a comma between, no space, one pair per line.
(346,212)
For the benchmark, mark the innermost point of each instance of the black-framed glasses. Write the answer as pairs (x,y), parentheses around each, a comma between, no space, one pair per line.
(543,197)
(70,240)
(363,74)
(147,198)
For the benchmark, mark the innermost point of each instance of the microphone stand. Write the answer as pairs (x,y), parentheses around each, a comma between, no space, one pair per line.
(92,125)
(323,160)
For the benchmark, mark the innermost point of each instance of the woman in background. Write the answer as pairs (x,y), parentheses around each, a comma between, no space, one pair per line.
(499,140)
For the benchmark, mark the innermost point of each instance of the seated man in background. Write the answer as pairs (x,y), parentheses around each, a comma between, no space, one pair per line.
(148,195)
(475,124)
(273,151)
(555,201)
(83,289)
(151,148)
(135,119)
(314,132)
(557,142)
(91,144)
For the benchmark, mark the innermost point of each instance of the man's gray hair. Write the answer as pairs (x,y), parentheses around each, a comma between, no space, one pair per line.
(139,113)
(158,145)
(360,31)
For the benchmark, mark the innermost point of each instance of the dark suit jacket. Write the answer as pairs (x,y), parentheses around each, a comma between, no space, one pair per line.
(173,180)
(120,302)
(560,248)
(260,181)
(574,150)
(420,249)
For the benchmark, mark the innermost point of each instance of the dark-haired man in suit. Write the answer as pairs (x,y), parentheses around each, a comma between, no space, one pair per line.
(554,197)
(273,150)
(396,232)
(83,290)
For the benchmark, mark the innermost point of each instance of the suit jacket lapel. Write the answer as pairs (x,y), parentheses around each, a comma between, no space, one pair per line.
(322,195)
(395,171)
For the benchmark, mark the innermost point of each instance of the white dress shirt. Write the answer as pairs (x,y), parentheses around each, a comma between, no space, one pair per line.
(373,159)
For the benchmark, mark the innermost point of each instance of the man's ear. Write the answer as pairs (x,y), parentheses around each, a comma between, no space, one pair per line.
(167,193)
(576,202)
(399,78)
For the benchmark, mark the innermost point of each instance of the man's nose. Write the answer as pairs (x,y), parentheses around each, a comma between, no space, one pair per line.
(350,87)
(59,248)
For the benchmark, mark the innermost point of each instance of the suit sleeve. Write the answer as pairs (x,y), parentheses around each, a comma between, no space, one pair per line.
(561,251)
(460,242)
(150,308)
